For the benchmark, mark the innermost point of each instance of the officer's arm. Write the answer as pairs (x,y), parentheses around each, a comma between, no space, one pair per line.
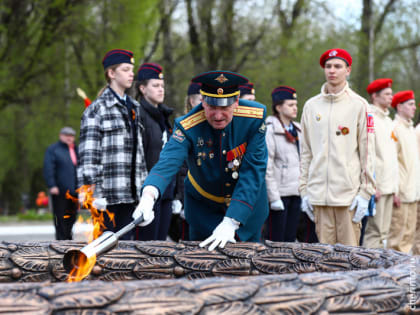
(251,177)
(173,155)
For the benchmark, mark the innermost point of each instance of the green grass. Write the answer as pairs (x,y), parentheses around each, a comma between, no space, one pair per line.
(28,215)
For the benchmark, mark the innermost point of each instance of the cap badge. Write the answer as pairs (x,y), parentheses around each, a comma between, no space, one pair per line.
(132,60)
(160,75)
(333,53)
(253,91)
(294,95)
(219,91)
(221,78)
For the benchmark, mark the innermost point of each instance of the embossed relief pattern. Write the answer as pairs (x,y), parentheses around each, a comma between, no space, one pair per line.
(42,261)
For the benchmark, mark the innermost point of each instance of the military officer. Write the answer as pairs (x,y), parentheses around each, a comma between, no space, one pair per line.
(223,141)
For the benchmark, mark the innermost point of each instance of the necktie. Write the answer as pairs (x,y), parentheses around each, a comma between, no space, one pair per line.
(73,154)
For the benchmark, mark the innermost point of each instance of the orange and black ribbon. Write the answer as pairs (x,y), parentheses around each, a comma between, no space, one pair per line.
(236,152)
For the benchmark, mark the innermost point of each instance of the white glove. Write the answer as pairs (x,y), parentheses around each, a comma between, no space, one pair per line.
(307,208)
(176,206)
(99,203)
(277,205)
(145,207)
(223,233)
(82,197)
(361,210)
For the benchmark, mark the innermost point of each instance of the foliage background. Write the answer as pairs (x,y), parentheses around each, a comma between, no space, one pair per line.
(48,48)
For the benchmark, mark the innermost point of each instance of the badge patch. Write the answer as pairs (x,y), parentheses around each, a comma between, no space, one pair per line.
(178,135)
(262,128)
(221,79)
(318,117)
(370,123)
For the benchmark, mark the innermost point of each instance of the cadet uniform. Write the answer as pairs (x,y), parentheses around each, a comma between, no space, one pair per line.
(386,170)
(416,247)
(226,167)
(404,217)
(337,159)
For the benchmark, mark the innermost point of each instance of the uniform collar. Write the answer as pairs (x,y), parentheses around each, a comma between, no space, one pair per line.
(379,111)
(111,99)
(334,97)
(405,122)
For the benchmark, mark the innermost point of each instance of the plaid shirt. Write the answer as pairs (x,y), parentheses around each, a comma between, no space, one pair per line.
(106,150)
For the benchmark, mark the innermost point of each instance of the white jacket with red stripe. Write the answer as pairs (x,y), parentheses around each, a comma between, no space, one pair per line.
(408,159)
(337,148)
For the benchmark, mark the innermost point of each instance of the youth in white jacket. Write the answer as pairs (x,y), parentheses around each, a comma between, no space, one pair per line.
(404,213)
(386,164)
(337,155)
(282,176)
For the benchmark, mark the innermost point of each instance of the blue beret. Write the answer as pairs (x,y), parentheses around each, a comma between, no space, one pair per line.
(194,88)
(247,88)
(149,71)
(117,56)
(220,88)
(283,93)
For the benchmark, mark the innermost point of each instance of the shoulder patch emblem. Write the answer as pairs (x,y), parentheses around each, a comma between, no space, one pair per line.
(370,123)
(193,120)
(178,135)
(251,112)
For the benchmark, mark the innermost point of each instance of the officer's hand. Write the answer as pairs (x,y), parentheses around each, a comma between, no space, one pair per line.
(361,205)
(397,201)
(54,190)
(176,206)
(145,207)
(277,205)
(307,208)
(99,203)
(223,233)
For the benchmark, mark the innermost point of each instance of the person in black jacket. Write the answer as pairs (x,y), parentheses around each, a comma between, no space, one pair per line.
(156,130)
(60,163)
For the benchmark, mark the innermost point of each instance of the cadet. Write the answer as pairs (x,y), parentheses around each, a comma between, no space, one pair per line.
(337,159)
(386,164)
(154,118)
(223,141)
(404,213)
(111,150)
(282,175)
(193,96)
(247,91)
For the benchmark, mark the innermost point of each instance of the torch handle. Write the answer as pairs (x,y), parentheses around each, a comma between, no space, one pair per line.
(129,227)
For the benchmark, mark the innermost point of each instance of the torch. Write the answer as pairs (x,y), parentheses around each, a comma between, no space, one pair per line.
(75,259)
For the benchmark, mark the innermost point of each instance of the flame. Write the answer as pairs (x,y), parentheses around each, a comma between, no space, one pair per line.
(84,266)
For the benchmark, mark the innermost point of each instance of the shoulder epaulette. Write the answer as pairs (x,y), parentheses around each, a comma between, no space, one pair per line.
(193,120)
(251,112)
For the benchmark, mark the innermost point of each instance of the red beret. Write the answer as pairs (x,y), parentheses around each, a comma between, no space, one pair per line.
(401,97)
(378,85)
(335,53)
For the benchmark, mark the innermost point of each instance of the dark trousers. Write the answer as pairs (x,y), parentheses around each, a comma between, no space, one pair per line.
(158,229)
(122,216)
(281,225)
(64,216)
(306,230)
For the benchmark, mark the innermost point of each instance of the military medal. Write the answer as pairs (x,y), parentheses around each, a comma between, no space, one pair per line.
(209,142)
(199,162)
(203,155)
(200,142)
(236,162)
(235,175)
(211,154)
